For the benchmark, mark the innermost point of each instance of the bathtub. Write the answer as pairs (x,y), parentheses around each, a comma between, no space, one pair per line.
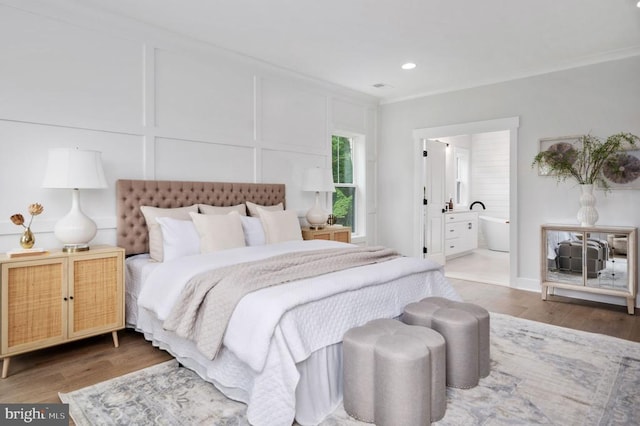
(496,232)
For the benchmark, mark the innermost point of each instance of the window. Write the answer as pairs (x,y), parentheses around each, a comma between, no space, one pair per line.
(348,202)
(461,158)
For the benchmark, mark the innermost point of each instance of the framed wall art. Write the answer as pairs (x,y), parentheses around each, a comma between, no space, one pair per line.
(622,170)
(565,145)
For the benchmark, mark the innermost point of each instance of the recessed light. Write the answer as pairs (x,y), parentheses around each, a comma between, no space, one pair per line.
(408,66)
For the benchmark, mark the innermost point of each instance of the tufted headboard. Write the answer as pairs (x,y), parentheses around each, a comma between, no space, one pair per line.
(131,194)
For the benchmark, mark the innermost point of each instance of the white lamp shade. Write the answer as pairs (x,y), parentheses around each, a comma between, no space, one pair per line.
(318,180)
(74,168)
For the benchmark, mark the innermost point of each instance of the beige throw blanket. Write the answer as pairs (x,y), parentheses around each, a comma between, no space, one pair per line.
(204,307)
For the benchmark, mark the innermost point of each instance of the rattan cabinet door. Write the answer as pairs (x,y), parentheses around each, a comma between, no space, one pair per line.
(96,293)
(34,309)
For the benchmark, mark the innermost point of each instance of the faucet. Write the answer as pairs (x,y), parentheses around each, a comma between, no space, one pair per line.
(477,202)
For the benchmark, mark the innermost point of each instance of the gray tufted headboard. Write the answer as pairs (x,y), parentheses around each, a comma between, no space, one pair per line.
(131,194)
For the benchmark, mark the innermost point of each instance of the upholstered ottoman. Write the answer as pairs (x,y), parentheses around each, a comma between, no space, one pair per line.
(394,373)
(460,332)
(466,330)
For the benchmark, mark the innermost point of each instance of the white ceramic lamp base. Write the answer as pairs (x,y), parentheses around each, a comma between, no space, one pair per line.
(76,229)
(316,216)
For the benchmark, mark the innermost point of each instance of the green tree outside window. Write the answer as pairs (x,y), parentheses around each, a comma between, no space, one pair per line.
(342,165)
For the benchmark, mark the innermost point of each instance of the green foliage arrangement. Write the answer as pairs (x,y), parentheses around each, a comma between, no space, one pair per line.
(585,162)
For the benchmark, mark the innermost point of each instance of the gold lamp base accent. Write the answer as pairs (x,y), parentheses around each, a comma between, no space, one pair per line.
(73,248)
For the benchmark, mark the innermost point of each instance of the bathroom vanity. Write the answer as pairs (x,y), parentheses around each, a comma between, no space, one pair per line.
(461,233)
(598,259)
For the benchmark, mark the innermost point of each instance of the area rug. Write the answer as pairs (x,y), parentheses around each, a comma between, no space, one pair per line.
(540,374)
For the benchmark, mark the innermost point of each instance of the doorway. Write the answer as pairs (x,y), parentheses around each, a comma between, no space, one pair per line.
(482,265)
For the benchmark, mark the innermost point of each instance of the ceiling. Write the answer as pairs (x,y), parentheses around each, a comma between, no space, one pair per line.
(359,43)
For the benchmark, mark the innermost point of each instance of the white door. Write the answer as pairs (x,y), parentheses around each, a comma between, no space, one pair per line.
(433,178)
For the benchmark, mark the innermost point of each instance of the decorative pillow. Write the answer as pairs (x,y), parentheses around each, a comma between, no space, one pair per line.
(253,231)
(207,209)
(280,226)
(179,238)
(155,233)
(253,208)
(218,231)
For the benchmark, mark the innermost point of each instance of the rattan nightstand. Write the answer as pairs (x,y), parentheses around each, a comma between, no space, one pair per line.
(59,297)
(335,233)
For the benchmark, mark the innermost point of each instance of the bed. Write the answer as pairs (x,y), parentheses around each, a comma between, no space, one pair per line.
(281,351)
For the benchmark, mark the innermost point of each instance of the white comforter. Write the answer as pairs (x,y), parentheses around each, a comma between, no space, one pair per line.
(273,329)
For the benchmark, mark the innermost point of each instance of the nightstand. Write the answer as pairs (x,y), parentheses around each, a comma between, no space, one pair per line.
(58,297)
(334,233)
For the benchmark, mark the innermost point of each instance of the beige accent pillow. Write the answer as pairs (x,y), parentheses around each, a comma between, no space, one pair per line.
(150,214)
(219,231)
(280,226)
(207,209)
(253,208)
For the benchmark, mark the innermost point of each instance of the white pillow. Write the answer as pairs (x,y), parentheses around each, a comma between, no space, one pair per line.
(280,226)
(253,208)
(179,238)
(155,233)
(218,231)
(253,231)
(207,209)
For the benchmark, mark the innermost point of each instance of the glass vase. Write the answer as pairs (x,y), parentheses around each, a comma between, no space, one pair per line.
(27,240)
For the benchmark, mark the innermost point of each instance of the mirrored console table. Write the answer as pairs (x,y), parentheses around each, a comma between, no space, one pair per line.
(598,259)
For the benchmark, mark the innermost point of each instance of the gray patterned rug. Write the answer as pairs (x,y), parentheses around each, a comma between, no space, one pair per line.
(540,374)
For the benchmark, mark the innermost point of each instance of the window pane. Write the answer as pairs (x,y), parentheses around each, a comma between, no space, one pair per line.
(342,161)
(344,206)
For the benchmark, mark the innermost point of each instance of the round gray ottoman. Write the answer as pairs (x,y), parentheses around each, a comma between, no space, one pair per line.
(374,379)
(422,312)
(358,345)
(460,332)
(403,372)
(438,354)
(419,313)
(484,345)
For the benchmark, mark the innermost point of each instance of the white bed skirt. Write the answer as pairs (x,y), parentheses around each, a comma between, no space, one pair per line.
(319,388)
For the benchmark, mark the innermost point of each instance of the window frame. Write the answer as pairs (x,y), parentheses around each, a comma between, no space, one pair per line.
(358,161)
(462,175)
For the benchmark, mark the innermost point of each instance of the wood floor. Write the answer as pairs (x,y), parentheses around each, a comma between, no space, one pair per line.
(39,376)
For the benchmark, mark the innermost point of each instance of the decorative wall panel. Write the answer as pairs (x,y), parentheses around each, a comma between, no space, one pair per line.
(198,161)
(293,116)
(53,72)
(203,95)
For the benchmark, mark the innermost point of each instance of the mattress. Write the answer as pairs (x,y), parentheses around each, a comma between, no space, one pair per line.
(282,351)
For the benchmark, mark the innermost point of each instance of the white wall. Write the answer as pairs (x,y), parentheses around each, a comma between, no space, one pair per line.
(601,99)
(490,172)
(157,106)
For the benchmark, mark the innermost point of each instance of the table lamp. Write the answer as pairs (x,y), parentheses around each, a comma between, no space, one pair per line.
(318,180)
(74,169)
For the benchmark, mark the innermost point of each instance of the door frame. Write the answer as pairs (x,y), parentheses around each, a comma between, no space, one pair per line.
(502,124)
